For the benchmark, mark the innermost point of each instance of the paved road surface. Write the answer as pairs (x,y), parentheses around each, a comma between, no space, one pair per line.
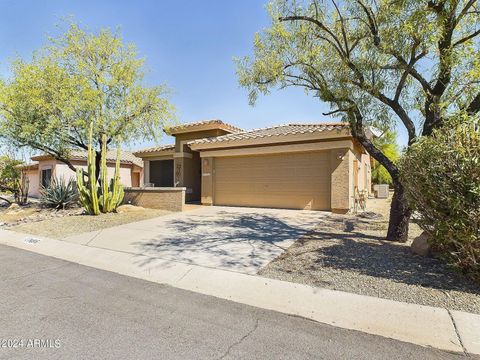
(94,314)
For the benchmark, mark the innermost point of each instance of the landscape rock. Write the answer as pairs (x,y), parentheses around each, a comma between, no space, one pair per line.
(129,208)
(370,215)
(420,245)
(14,207)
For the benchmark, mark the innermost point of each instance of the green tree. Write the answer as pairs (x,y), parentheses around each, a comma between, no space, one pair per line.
(386,143)
(9,175)
(413,62)
(76,79)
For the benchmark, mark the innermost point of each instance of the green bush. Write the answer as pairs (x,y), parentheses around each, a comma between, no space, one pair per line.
(387,144)
(59,194)
(441,175)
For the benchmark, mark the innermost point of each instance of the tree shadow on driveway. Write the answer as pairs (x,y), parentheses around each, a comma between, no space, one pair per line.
(236,241)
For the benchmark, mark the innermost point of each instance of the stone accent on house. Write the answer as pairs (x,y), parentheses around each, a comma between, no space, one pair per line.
(207,180)
(164,198)
(341,182)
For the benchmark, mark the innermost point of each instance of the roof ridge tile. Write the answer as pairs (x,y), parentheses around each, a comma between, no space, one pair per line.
(271,131)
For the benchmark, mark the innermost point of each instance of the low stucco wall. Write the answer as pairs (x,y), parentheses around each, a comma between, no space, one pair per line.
(165,198)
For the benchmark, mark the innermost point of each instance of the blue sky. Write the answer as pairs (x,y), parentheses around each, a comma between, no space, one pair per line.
(189,45)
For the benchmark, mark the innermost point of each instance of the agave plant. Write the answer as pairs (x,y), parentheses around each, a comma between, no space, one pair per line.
(59,194)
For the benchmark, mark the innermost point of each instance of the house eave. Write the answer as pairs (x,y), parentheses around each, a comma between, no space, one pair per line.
(273,140)
(151,154)
(77,158)
(200,127)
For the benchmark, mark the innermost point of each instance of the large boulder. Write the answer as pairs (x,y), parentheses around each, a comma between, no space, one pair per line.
(420,245)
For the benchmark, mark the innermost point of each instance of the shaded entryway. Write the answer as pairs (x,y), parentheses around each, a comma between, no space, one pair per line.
(161,173)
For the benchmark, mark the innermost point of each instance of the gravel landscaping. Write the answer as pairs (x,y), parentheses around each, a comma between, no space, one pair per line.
(349,253)
(35,220)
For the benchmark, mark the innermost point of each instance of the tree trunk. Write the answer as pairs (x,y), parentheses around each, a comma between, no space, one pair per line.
(399,214)
(399,210)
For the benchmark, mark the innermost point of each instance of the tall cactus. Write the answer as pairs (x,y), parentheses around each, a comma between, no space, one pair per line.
(115,185)
(105,198)
(88,193)
(112,194)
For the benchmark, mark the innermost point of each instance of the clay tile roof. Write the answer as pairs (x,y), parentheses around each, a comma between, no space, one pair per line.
(27,166)
(154,149)
(126,157)
(279,130)
(220,124)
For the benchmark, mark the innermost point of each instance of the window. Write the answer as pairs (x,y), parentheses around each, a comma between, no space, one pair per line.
(46,177)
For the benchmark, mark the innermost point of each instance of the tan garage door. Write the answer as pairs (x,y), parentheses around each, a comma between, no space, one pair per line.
(294,181)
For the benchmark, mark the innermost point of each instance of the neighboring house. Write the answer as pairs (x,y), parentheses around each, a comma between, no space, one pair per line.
(297,166)
(45,167)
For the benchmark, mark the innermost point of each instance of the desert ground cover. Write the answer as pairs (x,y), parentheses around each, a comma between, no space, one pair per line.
(36,220)
(349,253)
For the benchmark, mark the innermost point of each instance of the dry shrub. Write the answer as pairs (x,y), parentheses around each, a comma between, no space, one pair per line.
(441,175)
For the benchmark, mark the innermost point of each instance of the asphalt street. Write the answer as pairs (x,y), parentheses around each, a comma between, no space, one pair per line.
(53,309)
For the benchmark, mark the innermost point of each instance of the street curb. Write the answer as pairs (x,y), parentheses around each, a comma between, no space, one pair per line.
(454,331)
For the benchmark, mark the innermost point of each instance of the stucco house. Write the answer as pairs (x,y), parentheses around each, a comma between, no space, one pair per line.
(297,166)
(45,167)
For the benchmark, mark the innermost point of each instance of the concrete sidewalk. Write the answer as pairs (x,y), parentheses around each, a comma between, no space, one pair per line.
(428,326)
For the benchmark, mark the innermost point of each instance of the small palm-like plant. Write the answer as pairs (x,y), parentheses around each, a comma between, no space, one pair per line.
(59,194)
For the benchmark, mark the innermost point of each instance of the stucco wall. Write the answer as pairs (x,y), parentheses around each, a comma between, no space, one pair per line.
(171,199)
(365,173)
(125,172)
(364,169)
(187,166)
(62,170)
(34,183)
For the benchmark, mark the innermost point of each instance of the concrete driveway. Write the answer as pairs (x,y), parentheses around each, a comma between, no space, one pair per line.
(236,239)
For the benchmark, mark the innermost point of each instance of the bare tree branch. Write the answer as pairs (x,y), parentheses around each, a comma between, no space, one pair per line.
(464,11)
(317,23)
(372,23)
(466,38)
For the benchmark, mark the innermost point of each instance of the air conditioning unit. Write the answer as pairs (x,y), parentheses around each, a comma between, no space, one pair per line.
(381,191)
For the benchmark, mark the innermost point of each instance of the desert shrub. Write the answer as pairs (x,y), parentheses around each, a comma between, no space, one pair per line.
(9,171)
(441,175)
(59,194)
(13,180)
